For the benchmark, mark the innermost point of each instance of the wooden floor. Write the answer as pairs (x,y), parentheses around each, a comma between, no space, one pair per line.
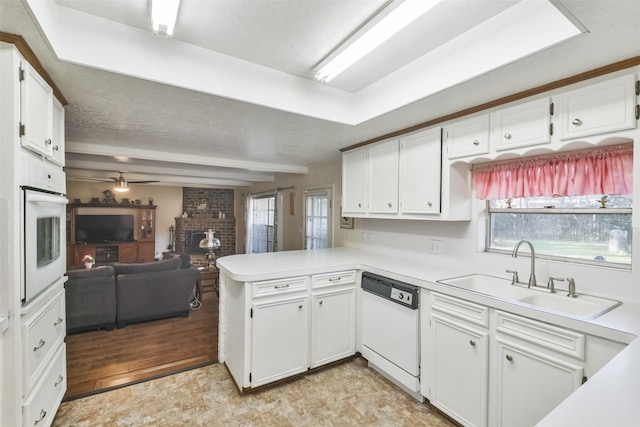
(102,360)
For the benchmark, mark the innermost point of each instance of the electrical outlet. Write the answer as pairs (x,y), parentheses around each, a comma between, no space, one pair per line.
(435,246)
(367,237)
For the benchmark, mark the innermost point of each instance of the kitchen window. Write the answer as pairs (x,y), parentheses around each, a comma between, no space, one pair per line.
(551,202)
(317,215)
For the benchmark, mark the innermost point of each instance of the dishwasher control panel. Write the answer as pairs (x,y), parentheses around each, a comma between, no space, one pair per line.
(401,296)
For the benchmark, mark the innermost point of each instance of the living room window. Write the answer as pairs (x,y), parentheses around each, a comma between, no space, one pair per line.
(573,207)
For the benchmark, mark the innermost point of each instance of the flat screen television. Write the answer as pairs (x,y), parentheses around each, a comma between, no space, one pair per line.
(104,228)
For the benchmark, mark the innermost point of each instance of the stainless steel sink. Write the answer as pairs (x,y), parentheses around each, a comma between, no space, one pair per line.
(583,306)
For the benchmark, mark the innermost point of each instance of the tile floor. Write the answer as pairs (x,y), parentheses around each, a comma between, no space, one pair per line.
(349,394)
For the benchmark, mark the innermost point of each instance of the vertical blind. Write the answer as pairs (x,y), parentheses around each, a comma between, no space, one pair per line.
(606,170)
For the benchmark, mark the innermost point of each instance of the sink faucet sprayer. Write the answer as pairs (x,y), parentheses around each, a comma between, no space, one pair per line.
(532,277)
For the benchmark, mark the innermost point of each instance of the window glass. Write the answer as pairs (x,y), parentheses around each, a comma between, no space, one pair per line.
(591,229)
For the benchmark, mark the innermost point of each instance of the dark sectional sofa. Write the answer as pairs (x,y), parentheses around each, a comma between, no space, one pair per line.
(103,297)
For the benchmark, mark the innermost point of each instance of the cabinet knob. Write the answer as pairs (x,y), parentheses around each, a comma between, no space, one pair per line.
(300,307)
(509,357)
(472,343)
(56,148)
(429,204)
(320,302)
(476,142)
(390,205)
(359,205)
(576,122)
(41,344)
(47,142)
(507,136)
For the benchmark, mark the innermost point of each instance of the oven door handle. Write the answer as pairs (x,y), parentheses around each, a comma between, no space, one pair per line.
(37,198)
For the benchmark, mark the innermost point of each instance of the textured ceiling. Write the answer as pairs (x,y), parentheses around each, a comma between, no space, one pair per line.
(119,122)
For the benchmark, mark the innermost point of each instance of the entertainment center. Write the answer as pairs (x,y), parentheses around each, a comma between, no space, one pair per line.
(110,233)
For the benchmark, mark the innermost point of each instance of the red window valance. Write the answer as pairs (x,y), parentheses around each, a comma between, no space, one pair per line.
(605,170)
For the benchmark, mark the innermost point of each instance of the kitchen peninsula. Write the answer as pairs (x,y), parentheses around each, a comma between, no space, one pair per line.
(591,404)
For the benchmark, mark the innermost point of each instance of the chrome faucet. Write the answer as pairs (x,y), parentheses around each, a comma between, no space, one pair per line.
(532,277)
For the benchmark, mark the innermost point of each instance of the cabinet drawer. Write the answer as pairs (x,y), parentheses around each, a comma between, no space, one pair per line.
(280,286)
(42,334)
(544,335)
(333,279)
(461,309)
(41,406)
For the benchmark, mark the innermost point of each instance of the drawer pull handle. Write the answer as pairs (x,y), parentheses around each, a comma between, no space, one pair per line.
(320,302)
(576,122)
(41,344)
(47,142)
(281,286)
(43,414)
(509,357)
(476,142)
(335,279)
(56,148)
(300,307)
(472,343)
(60,379)
(57,322)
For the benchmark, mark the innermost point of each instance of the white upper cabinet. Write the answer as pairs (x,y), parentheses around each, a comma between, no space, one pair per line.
(36,112)
(522,125)
(383,177)
(469,137)
(420,173)
(599,108)
(57,144)
(354,182)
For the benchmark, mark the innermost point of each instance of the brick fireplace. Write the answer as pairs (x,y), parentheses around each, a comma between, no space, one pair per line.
(206,208)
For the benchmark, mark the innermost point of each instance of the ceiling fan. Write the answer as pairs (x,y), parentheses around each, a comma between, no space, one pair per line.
(122,185)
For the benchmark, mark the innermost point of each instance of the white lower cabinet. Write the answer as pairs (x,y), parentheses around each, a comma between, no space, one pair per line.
(40,407)
(275,329)
(332,317)
(483,366)
(279,340)
(530,383)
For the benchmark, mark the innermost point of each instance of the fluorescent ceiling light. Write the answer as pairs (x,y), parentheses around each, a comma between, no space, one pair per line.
(388,22)
(163,16)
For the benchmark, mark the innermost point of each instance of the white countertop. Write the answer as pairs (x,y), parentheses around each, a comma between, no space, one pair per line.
(608,398)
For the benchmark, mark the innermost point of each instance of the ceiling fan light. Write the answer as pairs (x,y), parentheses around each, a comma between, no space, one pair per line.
(122,186)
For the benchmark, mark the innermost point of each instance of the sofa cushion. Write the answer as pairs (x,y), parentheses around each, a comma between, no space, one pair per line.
(147,267)
(185,260)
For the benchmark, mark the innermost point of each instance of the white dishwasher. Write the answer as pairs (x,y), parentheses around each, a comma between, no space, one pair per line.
(390,330)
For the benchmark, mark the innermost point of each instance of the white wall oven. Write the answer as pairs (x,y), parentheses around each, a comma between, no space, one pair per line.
(44,240)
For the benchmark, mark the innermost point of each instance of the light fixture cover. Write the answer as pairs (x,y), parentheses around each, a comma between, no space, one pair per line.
(122,186)
(163,16)
(380,28)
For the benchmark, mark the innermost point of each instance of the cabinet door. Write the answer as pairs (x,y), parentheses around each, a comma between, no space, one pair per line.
(333,326)
(467,137)
(420,173)
(57,145)
(599,108)
(279,341)
(36,112)
(460,366)
(147,229)
(146,251)
(127,252)
(522,125)
(530,383)
(354,182)
(383,177)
